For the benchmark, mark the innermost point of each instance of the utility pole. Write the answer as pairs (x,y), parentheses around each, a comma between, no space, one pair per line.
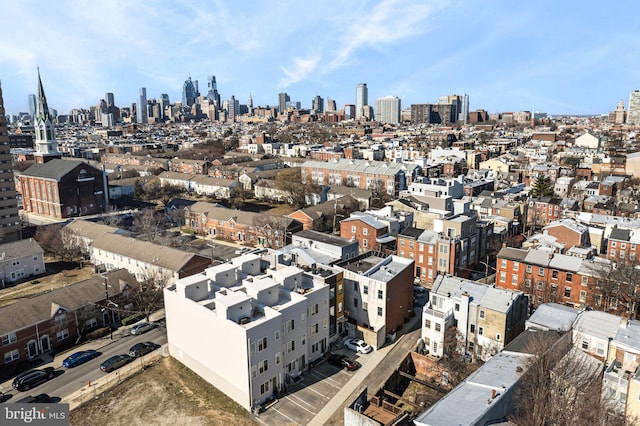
(106,304)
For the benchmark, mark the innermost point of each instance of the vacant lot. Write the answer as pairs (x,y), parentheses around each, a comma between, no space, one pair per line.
(166,393)
(58,275)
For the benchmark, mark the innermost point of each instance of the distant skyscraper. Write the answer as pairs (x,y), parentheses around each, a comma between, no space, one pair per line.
(283,98)
(164,104)
(189,93)
(250,105)
(633,112)
(110,100)
(362,99)
(331,105)
(46,144)
(464,115)
(141,107)
(317,105)
(233,109)
(9,220)
(388,110)
(212,93)
(32,106)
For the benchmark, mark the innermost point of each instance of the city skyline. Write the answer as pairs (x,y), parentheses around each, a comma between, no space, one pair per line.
(546,56)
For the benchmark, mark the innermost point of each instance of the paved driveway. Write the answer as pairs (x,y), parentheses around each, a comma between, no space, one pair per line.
(310,395)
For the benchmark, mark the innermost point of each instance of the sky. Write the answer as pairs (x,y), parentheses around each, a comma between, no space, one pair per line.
(558,57)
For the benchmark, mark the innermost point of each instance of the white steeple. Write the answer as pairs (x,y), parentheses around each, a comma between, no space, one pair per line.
(46,144)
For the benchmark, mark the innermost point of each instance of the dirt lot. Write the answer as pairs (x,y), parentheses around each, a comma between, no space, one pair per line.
(166,393)
(59,275)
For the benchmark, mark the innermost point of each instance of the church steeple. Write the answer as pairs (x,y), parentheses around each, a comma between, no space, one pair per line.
(46,144)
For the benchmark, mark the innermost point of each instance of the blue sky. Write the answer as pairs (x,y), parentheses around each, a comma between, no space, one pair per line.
(560,57)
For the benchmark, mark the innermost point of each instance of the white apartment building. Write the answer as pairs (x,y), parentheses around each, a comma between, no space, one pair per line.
(487,318)
(249,326)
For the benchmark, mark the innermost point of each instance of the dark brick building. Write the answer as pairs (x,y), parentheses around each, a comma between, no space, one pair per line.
(62,188)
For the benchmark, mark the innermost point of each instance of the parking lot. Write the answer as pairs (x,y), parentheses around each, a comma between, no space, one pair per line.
(308,396)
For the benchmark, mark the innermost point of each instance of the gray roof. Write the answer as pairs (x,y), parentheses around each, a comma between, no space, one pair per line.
(553,316)
(354,192)
(27,312)
(367,219)
(628,337)
(597,324)
(324,238)
(363,166)
(218,212)
(55,169)
(446,285)
(92,230)
(620,234)
(144,251)
(512,253)
(20,248)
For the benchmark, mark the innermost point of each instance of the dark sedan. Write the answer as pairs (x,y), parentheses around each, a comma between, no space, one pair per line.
(343,361)
(142,348)
(26,381)
(115,362)
(79,358)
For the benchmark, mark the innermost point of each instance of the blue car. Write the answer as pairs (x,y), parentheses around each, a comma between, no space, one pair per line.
(79,358)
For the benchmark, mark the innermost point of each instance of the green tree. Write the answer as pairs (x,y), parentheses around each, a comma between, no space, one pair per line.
(542,186)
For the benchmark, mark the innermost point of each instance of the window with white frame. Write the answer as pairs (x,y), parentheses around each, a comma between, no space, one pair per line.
(481,314)
(379,311)
(8,339)
(480,331)
(540,271)
(11,356)
(503,263)
(498,337)
(365,231)
(262,344)
(264,388)
(278,358)
(503,277)
(583,296)
(62,334)
(276,335)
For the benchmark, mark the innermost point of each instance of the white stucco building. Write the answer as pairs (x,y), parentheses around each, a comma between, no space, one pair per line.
(249,326)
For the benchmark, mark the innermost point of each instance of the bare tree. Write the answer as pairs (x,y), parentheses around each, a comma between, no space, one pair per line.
(561,386)
(65,245)
(271,230)
(454,356)
(147,222)
(149,297)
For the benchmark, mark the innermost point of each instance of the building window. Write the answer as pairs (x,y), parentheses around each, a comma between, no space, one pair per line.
(457,307)
(567,292)
(598,299)
(291,325)
(503,277)
(264,388)
(438,327)
(314,329)
(276,335)
(583,296)
(529,269)
(481,314)
(355,302)
(472,329)
(365,243)
(600,349)
(365,231)
(540,271)
(291,346)
(380,294)
(514,280)
(527,282)
(539,285)
(353,229)
(480,331)
(498,337)
(314,307)
(340,289)
(303,338)
(585,344)
(365,306)
(427,323)
(11,356)
(613,243)
(569,276)
(379,311)
(262,344)
(365,289)
(554,274)
(263,366)
(62,334)
(516,265)
(8,339)
(613,253)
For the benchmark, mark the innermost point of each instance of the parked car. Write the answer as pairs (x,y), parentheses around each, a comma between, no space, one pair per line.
(26,381)
(78,358)
(143,327)
(142,348)
(38,399)
(343,361)
(115,362)
(357,345)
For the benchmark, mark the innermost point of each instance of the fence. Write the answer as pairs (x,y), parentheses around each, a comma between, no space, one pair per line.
(93,389)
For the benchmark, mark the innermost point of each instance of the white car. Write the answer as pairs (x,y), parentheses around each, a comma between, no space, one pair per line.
(357,345)
(143,327)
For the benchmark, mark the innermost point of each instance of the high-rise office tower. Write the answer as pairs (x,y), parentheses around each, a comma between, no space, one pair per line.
(189,93)
(32,106)
(250,105)
(164,104)
(141,107)
(464,114)
(233,108)
(388,110)
(212,93)
(110,100)
(283,98)
(9,220)
(46,144)
(317,104)
(331,105)
(362,99)
(633,112)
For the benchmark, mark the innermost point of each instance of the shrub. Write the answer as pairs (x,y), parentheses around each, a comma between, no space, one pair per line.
(98,333)
(132,318)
